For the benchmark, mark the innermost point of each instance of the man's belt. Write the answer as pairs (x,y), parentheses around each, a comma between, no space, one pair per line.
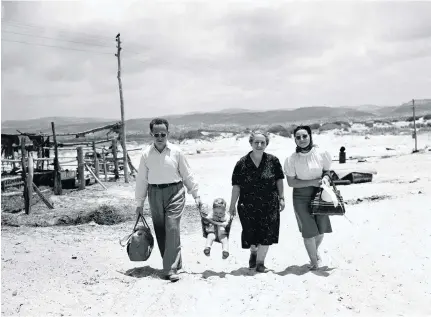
(165,185)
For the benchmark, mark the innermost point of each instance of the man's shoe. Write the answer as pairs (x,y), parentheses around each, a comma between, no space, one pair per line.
(252,260)
(225,255)
(261,268)
(174,277)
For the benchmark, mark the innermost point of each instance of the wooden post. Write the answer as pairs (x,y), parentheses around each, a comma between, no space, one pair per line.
(40,164)
(114,153)
(414,126)
(44,199)
(123,125)
(30,181)
(105,168)
(132,168)
(95,177)
(24,178)
(13,157)
(57,175)
(81,167)
(96,160)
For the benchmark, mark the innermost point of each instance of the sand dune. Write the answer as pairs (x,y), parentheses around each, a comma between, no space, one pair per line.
(377,261)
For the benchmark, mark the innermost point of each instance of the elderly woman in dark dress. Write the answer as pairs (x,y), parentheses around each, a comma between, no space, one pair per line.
(306,169)
(257,181)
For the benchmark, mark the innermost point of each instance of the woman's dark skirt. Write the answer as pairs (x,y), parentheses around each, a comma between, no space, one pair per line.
(310,226)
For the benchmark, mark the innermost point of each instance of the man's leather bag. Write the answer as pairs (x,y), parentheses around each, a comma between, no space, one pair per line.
(140,242)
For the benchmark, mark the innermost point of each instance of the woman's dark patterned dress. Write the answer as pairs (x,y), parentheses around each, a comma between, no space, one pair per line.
(258,204)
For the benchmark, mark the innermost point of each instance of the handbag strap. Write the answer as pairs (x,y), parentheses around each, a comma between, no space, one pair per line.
(331,182)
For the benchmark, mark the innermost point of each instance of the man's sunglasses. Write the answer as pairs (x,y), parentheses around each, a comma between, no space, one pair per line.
(304,137)
(156,135)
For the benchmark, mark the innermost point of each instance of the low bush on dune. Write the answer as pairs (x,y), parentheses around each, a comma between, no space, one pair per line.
(410,119)
(427,117)
(189,135)
(286,134)
(330,126)
(315,126)
(383,122)
(343,123)
(369,124)
(280,130)
(275,129)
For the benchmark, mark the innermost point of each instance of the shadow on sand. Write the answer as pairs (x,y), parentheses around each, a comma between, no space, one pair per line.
(145,271)
(148,271)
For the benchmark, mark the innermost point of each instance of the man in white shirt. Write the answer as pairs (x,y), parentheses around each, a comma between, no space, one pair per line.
(163,172)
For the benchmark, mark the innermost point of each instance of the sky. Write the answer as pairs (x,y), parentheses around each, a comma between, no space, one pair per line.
(57,57)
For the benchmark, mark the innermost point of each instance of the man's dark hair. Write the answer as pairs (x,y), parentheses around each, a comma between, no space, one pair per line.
(157,121)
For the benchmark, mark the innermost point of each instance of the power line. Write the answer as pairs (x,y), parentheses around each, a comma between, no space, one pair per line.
(90,37)
(69,48)
(54,46)
(42,27)
(56,39)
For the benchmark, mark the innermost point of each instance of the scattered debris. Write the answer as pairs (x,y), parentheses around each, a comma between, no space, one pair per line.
(366,199)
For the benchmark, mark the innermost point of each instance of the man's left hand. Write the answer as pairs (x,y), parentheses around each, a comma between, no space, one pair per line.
(198,202)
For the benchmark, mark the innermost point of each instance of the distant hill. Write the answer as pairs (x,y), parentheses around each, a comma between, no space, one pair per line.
(423,106)
(234,116)
(41,124)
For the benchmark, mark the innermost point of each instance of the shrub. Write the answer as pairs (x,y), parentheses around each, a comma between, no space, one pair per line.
(427,117)
(276,129)
(286,133)
(330,126)
(410,119)
(343,123)
(369,124)
(315,126)
(189,135)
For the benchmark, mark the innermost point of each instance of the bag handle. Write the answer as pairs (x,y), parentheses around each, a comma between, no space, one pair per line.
(331,182)
(125,240)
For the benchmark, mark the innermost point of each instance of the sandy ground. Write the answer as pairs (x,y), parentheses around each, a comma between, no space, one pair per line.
(377,261)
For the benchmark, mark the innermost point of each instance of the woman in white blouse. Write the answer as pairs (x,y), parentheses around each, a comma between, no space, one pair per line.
(306,169)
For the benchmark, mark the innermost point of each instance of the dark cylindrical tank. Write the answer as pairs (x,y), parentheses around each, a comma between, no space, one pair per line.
(342,156)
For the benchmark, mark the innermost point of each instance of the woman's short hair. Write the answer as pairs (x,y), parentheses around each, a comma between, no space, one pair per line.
(256,132)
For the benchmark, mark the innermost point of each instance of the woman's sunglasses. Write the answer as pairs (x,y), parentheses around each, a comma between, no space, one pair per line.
(156,135)
(304,137)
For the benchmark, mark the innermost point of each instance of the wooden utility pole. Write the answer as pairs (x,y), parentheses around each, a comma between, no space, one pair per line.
(81,167)
(58,190)
(27,203)
(123,126)
(414,127)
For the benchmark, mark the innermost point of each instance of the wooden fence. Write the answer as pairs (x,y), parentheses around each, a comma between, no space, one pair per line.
(96,161)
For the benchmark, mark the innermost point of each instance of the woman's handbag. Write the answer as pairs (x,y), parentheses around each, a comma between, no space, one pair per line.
(140,242)
(326,205)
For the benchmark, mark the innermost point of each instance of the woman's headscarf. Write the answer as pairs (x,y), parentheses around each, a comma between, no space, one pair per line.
(310,145)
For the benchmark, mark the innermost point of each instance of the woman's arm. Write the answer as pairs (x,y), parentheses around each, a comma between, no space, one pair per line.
(280,188)
(234,199)
(299,183)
